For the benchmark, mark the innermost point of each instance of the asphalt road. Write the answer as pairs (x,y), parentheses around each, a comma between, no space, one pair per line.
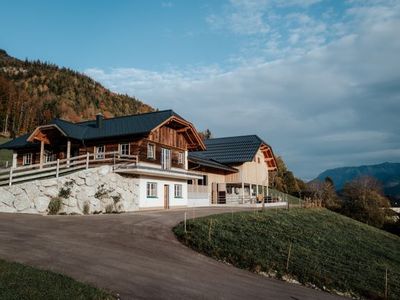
(135,255)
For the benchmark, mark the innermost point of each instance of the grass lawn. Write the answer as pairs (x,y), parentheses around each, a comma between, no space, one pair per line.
(22,282)
(5,155)
(328,250)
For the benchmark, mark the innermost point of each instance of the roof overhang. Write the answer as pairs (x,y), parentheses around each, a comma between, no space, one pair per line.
(38,133)
(157,172)
(269,157)
(188,130)
(212,164)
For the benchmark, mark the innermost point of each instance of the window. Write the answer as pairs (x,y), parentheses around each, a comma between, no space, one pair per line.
(178,190)
(229,189)
(253,190)
(49,156)
(100,150)
(181,158)
(151,190)
(165,158)
(151,151)
(203,181)
(27,159)
(124,149)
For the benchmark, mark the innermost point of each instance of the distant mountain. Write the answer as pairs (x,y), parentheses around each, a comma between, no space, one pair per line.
(33,92)
(387,173)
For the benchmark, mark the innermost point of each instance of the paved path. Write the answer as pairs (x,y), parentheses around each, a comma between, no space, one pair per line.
(135,255)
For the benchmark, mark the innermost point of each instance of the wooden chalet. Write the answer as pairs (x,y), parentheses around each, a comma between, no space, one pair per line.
(235,170)
(152,147)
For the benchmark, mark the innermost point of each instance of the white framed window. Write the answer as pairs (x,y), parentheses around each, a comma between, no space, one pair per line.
(151,151)
(165,158)
(151,190)
(124,149)
(99,151)
(178,191)
(181,158)
(49,156)
(27,159)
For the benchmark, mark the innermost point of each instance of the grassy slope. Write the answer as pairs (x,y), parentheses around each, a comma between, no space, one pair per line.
(22,282)
(328,249)
(5,155)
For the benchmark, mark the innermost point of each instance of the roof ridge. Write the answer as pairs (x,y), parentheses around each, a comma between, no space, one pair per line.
(236,136)
(127,116)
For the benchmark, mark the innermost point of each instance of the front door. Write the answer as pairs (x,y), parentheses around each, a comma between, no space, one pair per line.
(166,196)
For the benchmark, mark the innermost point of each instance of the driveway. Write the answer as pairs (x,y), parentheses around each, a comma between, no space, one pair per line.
(135,255)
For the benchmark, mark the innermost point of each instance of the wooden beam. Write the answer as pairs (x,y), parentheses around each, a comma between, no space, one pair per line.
(41,157)
(69,151)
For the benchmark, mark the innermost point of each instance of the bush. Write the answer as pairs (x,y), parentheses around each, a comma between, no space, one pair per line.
(86,208)
(109,209)
(65,191)
(55,205)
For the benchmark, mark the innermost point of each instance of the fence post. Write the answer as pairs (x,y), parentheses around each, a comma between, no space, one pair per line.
(185,221)
(87,160)
(288,258)
(113,160)
(11,174)
(386,283)
(209,230)
(58,167)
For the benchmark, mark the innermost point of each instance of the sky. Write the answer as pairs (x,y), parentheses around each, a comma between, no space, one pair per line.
(318,80)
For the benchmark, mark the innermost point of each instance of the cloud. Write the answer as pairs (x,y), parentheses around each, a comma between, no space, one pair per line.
(332,105)
(167,4)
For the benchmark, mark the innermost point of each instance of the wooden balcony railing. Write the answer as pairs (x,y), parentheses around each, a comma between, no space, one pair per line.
(62,167)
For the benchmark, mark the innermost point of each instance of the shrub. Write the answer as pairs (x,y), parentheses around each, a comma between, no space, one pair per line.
(116,198)
(65,191)
(55,205)
(102,192)
(109,208)
(86,208)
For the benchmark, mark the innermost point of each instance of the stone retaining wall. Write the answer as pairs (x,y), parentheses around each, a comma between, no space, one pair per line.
(97,188)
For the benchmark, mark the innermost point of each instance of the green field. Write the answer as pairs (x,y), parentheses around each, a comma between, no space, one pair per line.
(5,155)
(22,282)
(328,250)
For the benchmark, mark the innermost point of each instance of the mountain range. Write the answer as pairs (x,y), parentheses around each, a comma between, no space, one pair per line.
(387,173)
(34,92)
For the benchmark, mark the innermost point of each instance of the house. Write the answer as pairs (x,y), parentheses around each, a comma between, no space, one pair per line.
(161,152)
(235,170)
(152,146)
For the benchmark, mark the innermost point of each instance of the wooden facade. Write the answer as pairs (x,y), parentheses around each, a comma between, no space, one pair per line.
(175,134)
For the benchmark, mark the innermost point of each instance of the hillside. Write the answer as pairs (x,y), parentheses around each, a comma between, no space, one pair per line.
(387,173)
(327,250)
(34,92)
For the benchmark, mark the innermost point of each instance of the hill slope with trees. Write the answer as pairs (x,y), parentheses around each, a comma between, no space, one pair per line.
(387,173)
(34,92)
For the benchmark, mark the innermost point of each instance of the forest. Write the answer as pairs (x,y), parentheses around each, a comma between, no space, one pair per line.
(33,92)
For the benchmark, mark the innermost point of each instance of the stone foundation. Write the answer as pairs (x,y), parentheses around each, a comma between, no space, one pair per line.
(98,189)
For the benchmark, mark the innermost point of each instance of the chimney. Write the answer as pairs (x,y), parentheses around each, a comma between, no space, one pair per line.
(99,120)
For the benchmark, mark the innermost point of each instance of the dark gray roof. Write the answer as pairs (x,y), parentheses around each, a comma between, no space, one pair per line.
(133,125)
(232,150)
(199,158)
(18,143)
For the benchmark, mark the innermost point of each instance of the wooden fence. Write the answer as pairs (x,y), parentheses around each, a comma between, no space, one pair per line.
(62,167)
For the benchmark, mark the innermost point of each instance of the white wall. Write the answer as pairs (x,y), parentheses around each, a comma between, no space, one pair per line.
(158,202)
(199,202)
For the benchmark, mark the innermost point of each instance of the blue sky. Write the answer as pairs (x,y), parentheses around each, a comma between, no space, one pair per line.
(319,80)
